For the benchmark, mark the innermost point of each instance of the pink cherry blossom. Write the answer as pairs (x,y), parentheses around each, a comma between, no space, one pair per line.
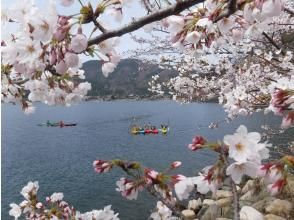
(79,43)
(71,59)
(102,166)
(151,176)
(61,67)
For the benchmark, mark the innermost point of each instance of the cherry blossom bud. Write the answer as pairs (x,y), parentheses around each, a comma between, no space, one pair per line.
(276,187)
(151,176)
(102,166)
(177,178)
(63,20)
(288,120)
(53,57)
(197,143)
(61,67)
(79,43)
(71,59)
(176,164)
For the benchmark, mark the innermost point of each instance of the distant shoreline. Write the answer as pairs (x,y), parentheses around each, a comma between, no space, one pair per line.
(98,98)
(137,98)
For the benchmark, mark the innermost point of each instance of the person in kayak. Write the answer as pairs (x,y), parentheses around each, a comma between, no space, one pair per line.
(61,123)
(48,123)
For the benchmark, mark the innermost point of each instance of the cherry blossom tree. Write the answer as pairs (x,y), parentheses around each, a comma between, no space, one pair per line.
(239,51)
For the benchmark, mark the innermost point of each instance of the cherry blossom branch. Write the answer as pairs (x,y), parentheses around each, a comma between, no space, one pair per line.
(151,190)
(98,25)
(271,40)
(147,6)
(289,11)
(236,204)
(156,16)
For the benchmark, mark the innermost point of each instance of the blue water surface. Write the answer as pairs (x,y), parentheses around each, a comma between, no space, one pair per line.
(61,158)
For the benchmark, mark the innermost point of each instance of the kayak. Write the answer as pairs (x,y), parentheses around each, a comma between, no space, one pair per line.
(57,125)
(49,125)
(146,131)
(164,131)
(68,125)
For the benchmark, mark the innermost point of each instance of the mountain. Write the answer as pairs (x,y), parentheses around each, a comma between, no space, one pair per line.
(130,78)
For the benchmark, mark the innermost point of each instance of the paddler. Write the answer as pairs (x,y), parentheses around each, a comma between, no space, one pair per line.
(61,123)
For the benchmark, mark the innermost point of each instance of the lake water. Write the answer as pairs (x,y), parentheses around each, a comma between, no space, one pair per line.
(61,158)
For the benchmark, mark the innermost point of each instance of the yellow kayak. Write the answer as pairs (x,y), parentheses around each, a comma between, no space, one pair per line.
(164,130)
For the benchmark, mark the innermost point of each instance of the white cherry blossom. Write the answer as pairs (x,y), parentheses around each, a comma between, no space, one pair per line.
(236,170)
(242,144)
(107,68)
(15,211)
(55,197)
(79,43)
(183,188)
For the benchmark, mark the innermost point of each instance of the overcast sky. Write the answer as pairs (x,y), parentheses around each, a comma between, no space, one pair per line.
(134,11)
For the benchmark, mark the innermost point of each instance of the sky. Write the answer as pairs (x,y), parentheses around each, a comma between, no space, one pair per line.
(134,10)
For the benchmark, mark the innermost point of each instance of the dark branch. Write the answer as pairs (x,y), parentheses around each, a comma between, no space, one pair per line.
(271,41)
(289,11)
(156,16)
(99,26)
